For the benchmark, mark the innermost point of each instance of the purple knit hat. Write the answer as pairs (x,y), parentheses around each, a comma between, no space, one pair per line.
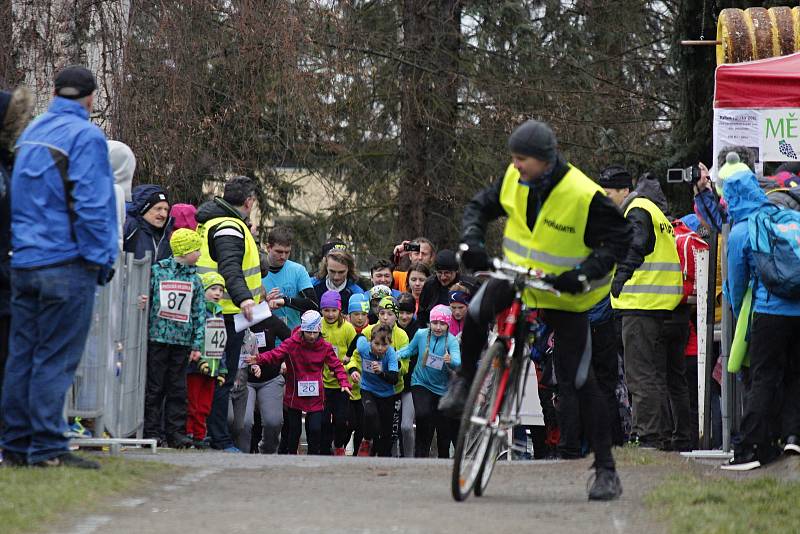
(331,299)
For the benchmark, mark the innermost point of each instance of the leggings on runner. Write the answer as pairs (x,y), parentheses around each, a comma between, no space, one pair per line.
(356,423)
(335,420)
(429,418)
(378,420)
(293,426)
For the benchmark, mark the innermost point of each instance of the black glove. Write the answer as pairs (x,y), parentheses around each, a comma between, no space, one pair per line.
(573,281)
(104,275)
(475,258)
(616,287)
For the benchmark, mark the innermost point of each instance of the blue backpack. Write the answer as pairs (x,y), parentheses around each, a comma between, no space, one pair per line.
(775,240)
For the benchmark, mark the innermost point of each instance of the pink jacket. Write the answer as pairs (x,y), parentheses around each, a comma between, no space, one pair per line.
(304,362)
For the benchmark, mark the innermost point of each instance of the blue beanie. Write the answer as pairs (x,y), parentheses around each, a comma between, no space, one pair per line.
(358,303)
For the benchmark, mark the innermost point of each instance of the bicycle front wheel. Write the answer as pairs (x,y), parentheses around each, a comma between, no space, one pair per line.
(476,432)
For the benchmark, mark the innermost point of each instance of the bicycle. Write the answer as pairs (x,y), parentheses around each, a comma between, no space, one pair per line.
(495,398)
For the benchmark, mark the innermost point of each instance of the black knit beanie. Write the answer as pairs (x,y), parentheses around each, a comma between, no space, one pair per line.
(535,139)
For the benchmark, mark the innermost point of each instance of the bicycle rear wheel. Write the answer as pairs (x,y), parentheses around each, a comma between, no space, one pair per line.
(476,432)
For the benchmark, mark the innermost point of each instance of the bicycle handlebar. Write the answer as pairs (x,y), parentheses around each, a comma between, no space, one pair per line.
(535,278)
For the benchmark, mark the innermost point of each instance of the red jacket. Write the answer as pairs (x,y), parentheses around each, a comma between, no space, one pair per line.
(304,362)
(687,242)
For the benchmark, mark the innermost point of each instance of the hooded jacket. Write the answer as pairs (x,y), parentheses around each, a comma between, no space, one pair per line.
(62,147)
(171,332)
(141,236)
(226,250)
(745,198)
(216,367)
(304,362)
(123,164)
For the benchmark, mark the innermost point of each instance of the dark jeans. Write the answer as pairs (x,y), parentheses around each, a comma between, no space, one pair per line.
(166,386)
(51,311)
(335,420)
(378,421)
(293,426)
(218,419)
(772,406)
(5,331)
(429,418)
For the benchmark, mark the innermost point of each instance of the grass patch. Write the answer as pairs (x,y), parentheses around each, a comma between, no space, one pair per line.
(32,497)
(633,456)
(723,505)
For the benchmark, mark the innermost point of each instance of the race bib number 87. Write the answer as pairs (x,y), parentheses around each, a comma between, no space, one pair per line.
(175,300)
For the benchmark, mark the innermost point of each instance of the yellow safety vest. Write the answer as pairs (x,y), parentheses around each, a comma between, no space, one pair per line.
(556,244)
(251,263)
(658,283)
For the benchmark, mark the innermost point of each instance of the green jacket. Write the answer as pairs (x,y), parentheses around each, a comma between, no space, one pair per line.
(177,305)
(216,366)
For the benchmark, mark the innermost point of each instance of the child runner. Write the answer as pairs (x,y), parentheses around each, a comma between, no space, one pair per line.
(176,334)
(305,354)
(375,366)
(340,334)
(439,353)
(418,273)
(459,301)
(358,316)
(406,305)
(210,368)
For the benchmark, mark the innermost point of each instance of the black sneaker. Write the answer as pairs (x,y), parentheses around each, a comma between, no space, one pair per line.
(201,444)
(743,460)
(14,459)
(792,445)
(452,404)
(180,441)
(606,486)
(68,460)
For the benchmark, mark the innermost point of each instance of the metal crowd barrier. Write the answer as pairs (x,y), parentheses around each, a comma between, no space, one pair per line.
(110,381)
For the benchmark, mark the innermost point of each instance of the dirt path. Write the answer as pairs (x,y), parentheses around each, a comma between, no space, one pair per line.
(278,494)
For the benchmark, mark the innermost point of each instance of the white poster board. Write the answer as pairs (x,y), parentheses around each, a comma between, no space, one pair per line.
(737,127)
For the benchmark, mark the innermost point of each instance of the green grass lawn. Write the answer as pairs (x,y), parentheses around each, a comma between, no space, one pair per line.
(716,504)
(32,497)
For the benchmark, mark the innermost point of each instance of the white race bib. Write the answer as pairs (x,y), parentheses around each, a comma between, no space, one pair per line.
(435,362)
(216,337)
(175,298)
(308,388)
(366,366)
(261,339)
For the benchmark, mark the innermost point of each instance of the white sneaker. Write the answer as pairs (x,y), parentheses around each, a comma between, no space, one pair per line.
(734,465)
(792,445)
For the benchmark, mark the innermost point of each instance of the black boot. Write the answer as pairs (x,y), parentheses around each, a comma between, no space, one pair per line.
(452,403)
(606,486)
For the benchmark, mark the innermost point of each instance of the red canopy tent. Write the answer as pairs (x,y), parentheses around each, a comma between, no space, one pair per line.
(767,83)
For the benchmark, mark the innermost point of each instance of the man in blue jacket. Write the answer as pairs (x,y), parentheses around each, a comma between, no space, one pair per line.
(64,242)
(772,403)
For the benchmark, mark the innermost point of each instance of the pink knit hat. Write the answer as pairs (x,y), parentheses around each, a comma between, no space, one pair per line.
(184,215)
(442,313)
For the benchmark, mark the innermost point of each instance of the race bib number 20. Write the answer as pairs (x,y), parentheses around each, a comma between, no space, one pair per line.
(175,299)
(308,388)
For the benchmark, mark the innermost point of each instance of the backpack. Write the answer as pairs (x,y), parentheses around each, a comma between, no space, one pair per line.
(775,239)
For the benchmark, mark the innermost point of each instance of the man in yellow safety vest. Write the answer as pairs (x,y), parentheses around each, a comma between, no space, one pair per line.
(646,292)
(561,222)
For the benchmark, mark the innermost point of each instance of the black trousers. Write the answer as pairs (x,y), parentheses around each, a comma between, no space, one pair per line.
(378,421)
(772,404)
(676,335)
(605,365)
(165,386)
(430,419)
(293,423)
(570,330)
(356,423)
(335,420)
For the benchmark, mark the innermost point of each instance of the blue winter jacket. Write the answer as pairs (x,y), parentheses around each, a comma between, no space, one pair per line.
(139,235)
(744,198)
(62,145)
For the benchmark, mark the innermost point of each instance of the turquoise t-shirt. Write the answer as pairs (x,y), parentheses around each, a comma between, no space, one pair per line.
(291,280)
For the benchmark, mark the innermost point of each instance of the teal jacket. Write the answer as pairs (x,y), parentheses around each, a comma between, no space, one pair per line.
(176,317)
(216,366)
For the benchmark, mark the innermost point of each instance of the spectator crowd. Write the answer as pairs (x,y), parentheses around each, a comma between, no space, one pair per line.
(360,363)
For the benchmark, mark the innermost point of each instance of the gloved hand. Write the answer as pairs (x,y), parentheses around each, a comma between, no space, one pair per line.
(475,258)
(573,281)
(221,380)
(204,368)
(616,287)
(104,275)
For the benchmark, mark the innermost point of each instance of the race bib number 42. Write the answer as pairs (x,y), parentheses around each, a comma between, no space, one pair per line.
(175,300)
(215,338)
(308,388)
